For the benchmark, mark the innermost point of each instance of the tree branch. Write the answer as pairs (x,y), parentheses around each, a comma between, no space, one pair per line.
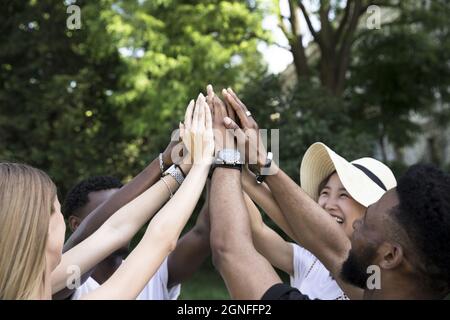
(308,22)
(326,31)
(343,22)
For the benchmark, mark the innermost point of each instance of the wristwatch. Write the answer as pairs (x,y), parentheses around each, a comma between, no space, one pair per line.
(176,173)
(265,169)
(228,158)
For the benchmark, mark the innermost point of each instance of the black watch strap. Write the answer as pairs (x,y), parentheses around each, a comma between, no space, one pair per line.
(237,166)
(260,177)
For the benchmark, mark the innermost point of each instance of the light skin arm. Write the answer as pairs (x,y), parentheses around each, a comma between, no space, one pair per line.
(191,250)
(273,247)
(116,232)
(158,241)
(163,231)
(146,178)
(261,194)
(307,218)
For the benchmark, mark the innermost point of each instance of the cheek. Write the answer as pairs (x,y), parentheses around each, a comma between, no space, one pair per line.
(352,211)
(57,232)
(321,201)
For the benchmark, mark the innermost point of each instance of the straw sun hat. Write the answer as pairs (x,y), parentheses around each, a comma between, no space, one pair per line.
(365,179)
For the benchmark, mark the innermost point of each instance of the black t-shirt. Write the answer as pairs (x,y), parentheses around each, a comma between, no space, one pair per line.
(281,291)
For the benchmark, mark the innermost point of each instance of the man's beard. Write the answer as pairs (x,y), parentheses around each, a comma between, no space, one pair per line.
(354,269)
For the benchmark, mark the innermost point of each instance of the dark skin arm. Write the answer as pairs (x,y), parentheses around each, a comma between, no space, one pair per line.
(305,217)
(145,179)
(247,274)
(191,250)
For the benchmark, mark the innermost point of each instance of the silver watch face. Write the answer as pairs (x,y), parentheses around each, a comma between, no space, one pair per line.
(229,156)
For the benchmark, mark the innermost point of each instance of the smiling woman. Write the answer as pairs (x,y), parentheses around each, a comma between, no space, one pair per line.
(343,189)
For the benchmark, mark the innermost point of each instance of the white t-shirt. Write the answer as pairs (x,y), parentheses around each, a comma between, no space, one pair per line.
(156,288)
(312,278)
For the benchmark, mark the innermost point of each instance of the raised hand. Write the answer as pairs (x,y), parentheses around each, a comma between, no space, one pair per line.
(197,132)
(223,137)
(247,134)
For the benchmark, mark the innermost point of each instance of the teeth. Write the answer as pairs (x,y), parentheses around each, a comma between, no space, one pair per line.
(339,220)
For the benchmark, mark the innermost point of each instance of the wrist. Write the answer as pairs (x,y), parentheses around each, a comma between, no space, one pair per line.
(167,160)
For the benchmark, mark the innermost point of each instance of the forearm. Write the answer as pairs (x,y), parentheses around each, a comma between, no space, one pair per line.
(267,242)
(246,273)
(191,251)
(114,233)
(128,192)
(159,239)
(262,195)
(307,220)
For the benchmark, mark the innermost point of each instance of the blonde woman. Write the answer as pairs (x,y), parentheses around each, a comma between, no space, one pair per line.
(32,227)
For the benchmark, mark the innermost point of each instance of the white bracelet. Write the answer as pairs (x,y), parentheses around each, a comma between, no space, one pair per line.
(168,188)
(161,163)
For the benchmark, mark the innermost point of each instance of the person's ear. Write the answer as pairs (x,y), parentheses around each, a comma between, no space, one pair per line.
(391,255)
(74,222)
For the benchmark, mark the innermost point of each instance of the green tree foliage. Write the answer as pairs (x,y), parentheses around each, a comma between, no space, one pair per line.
(400,71)
(304,114)
(104,99)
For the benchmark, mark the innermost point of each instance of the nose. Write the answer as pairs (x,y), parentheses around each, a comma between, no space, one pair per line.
(330,205)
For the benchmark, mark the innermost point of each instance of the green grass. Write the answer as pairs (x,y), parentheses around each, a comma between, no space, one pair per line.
(205,284)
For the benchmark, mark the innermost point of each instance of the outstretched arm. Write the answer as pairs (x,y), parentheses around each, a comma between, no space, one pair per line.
(158,241)
(305,217)
(273,247)
(191,250)
(116,232)
(261,194)
(103,212)
(163,231)
(128,192)
(247,274)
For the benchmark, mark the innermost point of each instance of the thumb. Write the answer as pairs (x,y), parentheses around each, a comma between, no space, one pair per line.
(181,126)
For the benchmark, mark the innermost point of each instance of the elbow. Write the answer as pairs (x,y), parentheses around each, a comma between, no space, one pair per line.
(221,253)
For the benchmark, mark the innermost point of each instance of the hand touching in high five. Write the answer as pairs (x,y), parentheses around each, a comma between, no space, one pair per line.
(223,137)
(197,132)
(247,134)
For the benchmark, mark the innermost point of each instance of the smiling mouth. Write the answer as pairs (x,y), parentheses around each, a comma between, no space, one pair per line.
(338,219)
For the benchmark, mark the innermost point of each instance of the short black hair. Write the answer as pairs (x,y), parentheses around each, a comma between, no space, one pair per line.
(424,214)
(78,195)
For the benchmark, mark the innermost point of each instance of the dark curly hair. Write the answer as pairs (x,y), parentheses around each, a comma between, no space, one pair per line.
(424,214)
(78,195)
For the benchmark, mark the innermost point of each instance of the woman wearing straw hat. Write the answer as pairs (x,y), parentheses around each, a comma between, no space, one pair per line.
(343,189)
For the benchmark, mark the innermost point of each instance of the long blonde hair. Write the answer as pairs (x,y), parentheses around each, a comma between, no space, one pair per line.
(27,196)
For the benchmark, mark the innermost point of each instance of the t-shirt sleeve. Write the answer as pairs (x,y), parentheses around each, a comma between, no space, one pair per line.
(281,291)
(88,286)
(302,261)
(163,274)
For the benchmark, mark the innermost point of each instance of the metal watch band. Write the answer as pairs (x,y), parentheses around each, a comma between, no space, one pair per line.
(228,156)
(176,173)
